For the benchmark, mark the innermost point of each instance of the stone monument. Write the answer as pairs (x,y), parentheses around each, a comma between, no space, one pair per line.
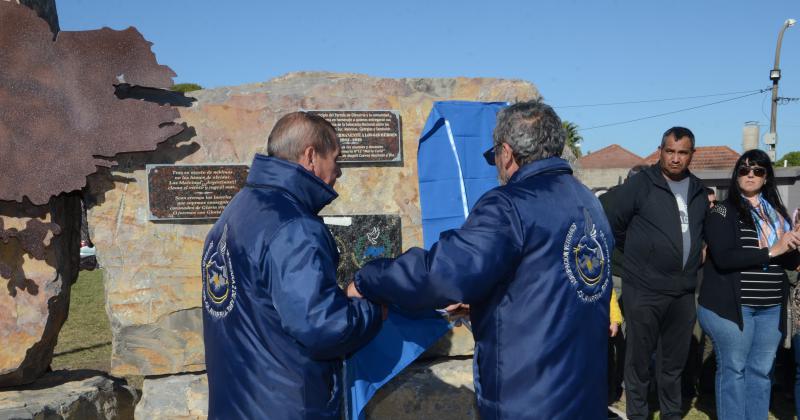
(152,267)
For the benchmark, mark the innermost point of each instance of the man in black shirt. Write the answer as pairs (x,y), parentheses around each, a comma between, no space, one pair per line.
(657,218)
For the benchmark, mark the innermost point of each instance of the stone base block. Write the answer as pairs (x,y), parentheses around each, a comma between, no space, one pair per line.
(457,342)
(79,395)
(175,397)
(440,389)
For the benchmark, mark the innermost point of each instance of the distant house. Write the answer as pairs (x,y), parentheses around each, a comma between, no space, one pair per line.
(606,167)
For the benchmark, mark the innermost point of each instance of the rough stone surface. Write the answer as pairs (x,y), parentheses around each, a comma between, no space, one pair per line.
(152,269)
(39,261)
(458,342)
(440,389)
(175,397)
(83,395)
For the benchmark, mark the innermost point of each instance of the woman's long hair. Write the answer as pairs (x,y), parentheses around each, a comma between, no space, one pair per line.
(769,191)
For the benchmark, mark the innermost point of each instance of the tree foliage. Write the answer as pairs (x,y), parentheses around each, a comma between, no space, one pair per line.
(186,87)
(574,138)
(793,159)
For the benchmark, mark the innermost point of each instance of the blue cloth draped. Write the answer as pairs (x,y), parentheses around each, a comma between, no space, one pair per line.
(465,127)
(453,175)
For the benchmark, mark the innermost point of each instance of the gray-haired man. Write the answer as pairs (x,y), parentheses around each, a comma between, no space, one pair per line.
(532,261)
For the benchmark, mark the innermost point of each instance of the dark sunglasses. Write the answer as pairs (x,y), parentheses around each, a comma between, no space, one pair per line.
(757,171)
(489,155)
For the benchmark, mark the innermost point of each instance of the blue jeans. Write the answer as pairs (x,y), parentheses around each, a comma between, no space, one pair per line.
(744,360)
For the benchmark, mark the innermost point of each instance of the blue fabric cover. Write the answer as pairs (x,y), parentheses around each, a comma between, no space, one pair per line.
(276,326)
(533,261)
(472,124)
(402,339)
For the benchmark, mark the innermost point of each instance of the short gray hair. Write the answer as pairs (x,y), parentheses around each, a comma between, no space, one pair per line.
(294,132)
(532,129)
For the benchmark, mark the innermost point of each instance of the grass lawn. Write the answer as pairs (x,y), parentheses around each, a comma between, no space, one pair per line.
(85,339)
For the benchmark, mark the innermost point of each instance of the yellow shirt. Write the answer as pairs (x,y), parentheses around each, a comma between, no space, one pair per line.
(614,312)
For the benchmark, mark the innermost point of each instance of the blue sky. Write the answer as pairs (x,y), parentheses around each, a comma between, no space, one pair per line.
(575,52)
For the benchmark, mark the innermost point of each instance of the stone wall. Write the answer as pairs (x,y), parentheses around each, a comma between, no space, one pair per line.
(152,268)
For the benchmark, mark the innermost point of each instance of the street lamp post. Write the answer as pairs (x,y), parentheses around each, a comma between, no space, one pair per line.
(771,138)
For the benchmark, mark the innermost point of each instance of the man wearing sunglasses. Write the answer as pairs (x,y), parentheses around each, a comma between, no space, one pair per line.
(657,217)
(532,261)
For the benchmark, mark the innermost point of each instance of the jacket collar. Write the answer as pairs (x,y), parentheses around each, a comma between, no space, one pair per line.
(542,166)
(306,187)
(655,175)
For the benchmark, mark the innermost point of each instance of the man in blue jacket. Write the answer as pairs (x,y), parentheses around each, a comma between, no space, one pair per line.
(276,326)
(533,262)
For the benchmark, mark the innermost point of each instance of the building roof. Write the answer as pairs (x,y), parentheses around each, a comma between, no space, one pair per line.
(613,156)
(706,157)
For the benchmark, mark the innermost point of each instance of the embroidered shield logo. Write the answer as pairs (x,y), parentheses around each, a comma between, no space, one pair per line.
(219,280)
(586,259)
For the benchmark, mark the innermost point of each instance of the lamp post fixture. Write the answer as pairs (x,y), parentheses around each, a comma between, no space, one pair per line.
(771,138)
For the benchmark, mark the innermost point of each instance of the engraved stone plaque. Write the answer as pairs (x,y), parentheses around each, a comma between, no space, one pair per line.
(177,192)
(366,136)
(361,239)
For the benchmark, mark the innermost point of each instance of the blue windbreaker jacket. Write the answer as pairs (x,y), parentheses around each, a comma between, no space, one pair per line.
(533,260)
(276,326)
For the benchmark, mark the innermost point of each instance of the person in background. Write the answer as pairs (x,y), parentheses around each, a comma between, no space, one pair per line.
(712,197)
(657,218)
(616,341)
(742,298)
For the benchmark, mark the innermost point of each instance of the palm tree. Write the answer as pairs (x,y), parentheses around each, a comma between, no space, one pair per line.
(573,137)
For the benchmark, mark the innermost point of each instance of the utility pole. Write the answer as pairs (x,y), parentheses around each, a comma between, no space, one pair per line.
(771,138)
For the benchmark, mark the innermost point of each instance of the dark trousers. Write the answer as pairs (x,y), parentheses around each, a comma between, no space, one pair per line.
(660,322)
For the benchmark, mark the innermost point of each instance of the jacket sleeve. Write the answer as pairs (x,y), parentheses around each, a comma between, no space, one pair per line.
(312,308)
(789,261)
(463,266)
(721,236)
(620,205)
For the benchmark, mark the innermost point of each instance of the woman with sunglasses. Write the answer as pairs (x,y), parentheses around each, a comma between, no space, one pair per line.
(742,298)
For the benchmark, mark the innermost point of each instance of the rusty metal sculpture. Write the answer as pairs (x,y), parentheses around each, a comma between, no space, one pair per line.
(65,113)
(59,117)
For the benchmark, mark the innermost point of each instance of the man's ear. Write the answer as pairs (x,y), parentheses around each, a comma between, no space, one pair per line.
(306,158)
(507,156)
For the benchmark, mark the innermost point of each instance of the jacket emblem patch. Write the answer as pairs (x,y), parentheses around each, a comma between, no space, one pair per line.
(586,259)
(219,281)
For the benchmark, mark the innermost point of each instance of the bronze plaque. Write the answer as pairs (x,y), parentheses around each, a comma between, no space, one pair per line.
(192,191)
(366,136)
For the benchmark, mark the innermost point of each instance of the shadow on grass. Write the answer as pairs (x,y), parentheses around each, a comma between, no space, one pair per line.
(80,349)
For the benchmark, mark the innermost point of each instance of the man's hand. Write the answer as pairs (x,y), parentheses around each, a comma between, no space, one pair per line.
(352,292)
(613,329)
(457,310)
